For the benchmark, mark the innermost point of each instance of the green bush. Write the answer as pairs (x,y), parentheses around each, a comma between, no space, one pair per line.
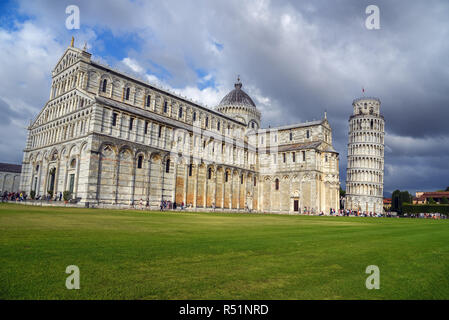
(426,208)
(33,194)
(67,195)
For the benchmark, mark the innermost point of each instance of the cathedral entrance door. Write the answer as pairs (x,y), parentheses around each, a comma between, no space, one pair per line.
(296,205)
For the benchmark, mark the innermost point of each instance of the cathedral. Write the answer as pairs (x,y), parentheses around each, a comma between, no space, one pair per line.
(113,140)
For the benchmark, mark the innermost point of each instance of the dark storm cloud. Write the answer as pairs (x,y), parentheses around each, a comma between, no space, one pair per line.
(299,58)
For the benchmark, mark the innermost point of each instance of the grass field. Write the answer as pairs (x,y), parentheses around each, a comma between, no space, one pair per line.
(152,255)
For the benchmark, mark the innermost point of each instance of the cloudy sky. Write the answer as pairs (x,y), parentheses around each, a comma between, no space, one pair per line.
(296,59)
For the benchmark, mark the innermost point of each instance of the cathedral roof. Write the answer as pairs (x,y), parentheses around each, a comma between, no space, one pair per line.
(237,97)
(9,167)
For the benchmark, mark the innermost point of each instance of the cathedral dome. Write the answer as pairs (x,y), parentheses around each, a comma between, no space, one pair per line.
(237,97)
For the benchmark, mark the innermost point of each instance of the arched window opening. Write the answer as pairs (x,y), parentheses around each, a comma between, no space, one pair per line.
(190,169)
(241,179)
(105,83)
(167,166)
(180,112)
(139,162)
(276,184)
(226,176)
(127,94)
(148,101)
(209,175)
(255,181)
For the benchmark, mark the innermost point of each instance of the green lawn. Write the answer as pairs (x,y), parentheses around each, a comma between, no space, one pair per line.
(152,255)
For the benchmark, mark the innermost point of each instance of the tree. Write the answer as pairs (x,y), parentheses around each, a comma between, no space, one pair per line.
(398,198)
(447,188)
(431,201)
(342,192)
(444,200)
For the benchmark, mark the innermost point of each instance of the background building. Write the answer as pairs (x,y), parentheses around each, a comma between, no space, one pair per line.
(10,177)
(365,172)
(113,139)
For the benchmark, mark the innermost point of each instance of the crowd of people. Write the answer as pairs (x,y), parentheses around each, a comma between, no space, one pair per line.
(169,205)
(13,196)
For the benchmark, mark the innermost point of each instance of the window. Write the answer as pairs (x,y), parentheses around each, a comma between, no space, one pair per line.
(190,169)
(294,156)
(147,104)
(241,179)
(131,121)
(291,136)
(167,166)
(165,106)
(207,122)
(372,124)
(252,125)
(276,184)
(218,125)
(308,134)
(160,131)
(255,181)
(114,119)
(73,163)
(180,112)
(325,158)
(209,175)
(146,127)
(139,162)
(303,156)
(105,83)
(194,116)
(226,176)
(127,94)
(284,157)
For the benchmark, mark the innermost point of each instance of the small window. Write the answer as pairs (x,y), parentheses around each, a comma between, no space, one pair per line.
(105,83)
(190,169)
(131,121)
(226,176)
(218,125)
(255,181)
(139,162)
(73,163)
(285,157)
(146,127)
(303,156)
(294,156)
(276,182)
(114,119)
(194,116)
(308,134)
(180,112)
(167,166)
(207,122)
(148,101)
(252,125)
(127,94)
(209,176)
(291,136)
(241,179)
(165,106)
(160,131)
(325,158)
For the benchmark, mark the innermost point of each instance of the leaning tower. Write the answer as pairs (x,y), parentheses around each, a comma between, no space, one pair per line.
(365,173)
